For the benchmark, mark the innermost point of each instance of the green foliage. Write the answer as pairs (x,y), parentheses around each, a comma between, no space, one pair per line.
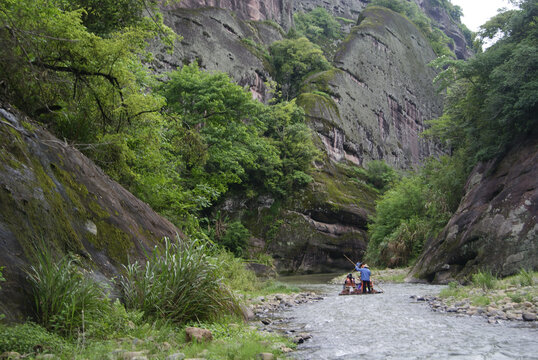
(415,209)
(438,40)
(380,175)
(484,279)
(24,338)
(491,99)
(234,340)
(225,138)
(235,239)
(318,26)
(234,273)
(55,69)
(65,298)
(294,59)
(480,300)
(526,278)
(103,17)
(178,283)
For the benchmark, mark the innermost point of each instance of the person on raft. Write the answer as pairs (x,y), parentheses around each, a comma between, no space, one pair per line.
(349,284)
(365,272)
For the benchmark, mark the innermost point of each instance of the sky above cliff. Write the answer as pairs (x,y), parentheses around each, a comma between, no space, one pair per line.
(477,12)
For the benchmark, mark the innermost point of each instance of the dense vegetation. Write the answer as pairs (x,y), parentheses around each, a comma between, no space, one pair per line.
(491,105)
(180,284)
(181,142)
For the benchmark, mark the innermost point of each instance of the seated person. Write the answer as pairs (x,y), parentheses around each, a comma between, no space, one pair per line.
(349,284)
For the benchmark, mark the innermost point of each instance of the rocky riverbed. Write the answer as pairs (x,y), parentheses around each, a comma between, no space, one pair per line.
(512,304)
(265,310)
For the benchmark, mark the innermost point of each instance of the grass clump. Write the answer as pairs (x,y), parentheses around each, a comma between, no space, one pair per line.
(526,278)
(178,283)
(454,290)
(65,297)
(485,280)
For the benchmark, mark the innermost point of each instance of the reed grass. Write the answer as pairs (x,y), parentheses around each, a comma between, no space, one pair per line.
(179,283)
(64,296)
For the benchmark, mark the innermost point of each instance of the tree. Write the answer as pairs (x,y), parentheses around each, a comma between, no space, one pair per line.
(318,26)
(493,98)
(293,60)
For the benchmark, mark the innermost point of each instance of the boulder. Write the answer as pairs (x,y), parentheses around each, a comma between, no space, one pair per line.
(197,334)
(52,195)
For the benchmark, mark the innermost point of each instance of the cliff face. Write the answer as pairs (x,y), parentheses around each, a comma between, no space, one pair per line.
(381,93)
(495,227)
(377,99)
(52,194)
(220,41)
(276,10)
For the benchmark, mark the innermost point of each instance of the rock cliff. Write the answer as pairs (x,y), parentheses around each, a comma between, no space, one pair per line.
(380,94)
(496,225)
(371,106)
(51,194)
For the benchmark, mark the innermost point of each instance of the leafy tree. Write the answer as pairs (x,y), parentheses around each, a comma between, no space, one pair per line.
(83,85)
(235,239)
(293,60)
(492,98)
(318,26)
(380,174)
(415,209)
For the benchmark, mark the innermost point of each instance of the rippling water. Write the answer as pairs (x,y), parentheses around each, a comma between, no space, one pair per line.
(393,326)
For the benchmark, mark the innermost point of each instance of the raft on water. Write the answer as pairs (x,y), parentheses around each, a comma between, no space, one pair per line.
(347,292)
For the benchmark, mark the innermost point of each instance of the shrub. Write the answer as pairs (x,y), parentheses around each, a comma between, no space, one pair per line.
(179,283)
(380,175)
(64,296)
(24,339)
(526,278)
(234,273)
(235,239)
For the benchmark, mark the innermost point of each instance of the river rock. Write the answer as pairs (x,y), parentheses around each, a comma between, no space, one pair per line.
(134,355)
(10,355)
(200,335)
(265,356)
(176,356)
(527,316)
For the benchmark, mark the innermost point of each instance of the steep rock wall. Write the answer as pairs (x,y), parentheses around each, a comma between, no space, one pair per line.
(220,41)
(381,93)
(276,10)
(496,225)
(52,195)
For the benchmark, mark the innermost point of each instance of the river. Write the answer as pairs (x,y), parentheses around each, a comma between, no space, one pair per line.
(394,326)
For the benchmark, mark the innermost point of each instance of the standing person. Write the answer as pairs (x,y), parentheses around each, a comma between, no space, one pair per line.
(365,276)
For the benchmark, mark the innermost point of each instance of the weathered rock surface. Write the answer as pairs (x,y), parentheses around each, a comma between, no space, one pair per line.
(495,226)
(52,195)
(220,41)
(279,11)
(380,94)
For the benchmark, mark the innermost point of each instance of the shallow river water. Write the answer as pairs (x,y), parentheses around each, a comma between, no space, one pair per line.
(393,326)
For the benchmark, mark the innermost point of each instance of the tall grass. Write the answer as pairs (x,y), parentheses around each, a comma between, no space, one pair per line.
(484,279)
(526,278)
(63,296)
(179,283)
